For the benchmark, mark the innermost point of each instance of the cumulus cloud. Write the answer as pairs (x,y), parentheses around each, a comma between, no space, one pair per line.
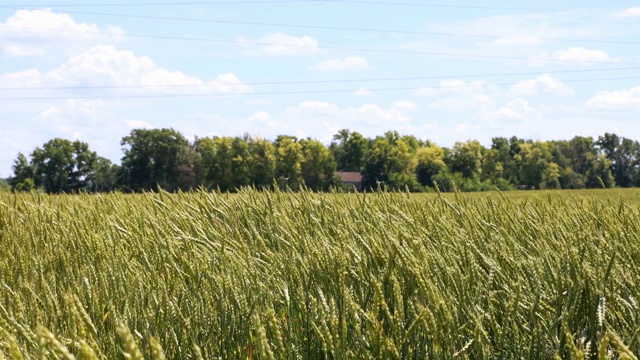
(279,44)
(316,119)
(258,102)
(320,120)
(263,117)
(364,92)
(475,102)
(543,84)
(35,32)
(82,119)
(367,113)
(453,86)
(514,110)
(630,12)
(626,99)
(350,63)
(511,41)
(24,78)
(138,124)
(74,108)
(582,55)
(404,105)
(108,66)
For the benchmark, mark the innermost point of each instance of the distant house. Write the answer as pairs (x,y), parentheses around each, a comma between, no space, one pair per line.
(350,179)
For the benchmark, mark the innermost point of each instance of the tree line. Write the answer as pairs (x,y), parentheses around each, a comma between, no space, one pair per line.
(164,159)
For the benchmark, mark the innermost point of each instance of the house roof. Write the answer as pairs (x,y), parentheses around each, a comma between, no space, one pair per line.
(348,176)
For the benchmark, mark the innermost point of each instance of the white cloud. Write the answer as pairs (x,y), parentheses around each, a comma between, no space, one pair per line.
(404,105)
(350,63)
(316,119)
(229,84)
(363,91)
(514,110)
(630,12)
(582,55)
(108,66)
(475,102)
(462,128)
(627,99)
(139,124)
(35,32)
(453,86)
(259,102)
(86,120)
(368,113)
(26,78)
(510,41)
(263,117)
(543,84)
(279,44)
(85,109)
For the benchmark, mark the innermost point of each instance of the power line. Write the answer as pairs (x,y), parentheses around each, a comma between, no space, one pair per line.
(412,78)
(451,6)
(201,3)
(340,48)
(161,4)
(298,92)
(338,28)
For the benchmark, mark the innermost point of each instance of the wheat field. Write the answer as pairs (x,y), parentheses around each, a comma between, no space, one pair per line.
(319,276)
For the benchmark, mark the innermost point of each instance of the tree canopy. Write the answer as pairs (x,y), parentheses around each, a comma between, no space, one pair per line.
(164,159)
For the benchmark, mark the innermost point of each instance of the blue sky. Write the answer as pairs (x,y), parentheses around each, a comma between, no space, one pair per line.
(475,70)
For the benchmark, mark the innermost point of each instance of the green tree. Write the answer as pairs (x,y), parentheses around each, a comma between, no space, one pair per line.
(492,168)
(551,176)
(505,151)
(429,163)
(349,150)
(263,162)
(227,161)
(4,185)
(241,162)
(205,149)
(156,158)
(466,158)
(105,176)
(63,166)
(390,161)
(582,165)
(598,174)
(318,166)
(624,155)
(534,160)
(289,159)
(22,179)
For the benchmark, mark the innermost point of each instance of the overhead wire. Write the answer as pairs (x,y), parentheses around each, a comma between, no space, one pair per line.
(132,4)
(298,92)
(263,43)
(451,6)
(355,29)
(340,48)
(409,78)
(344,2)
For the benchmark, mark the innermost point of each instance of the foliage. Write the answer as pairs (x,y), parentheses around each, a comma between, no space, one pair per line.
(164,159)
(157,158)
(59,166)
(349,151)
(4,185)
(317,276)
(289,159)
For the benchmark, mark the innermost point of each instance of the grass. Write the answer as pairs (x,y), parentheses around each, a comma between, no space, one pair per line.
(319,276)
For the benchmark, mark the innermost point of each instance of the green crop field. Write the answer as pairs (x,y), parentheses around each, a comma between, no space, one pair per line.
(253,275)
